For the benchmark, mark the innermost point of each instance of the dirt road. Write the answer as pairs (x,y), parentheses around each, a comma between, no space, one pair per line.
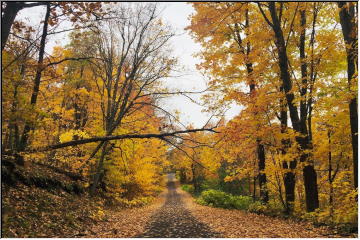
(173,219)
(175,215)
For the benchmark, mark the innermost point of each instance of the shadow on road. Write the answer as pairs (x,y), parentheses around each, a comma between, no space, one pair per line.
(173,220)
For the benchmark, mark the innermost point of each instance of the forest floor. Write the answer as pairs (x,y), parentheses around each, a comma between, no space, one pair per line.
(37,212)
(175,214)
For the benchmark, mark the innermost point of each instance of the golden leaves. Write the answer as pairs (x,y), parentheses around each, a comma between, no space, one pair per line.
(68,136)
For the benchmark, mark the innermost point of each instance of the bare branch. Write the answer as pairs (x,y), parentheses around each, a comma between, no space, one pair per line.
(117,137)
(67,59)
(182,150)
(264,15)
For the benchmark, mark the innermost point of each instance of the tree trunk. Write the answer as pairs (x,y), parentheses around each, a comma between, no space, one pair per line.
(349,29)
(309,174)
(289,183)
(330,178)
(183,176)
(264,195)
(14,128)
(7,19)
(254,183)
(311,190)
(304,73)
(13,122)
(99,170)
(34,95)
(249,182)
(194,179)
(254,189)
(289,176)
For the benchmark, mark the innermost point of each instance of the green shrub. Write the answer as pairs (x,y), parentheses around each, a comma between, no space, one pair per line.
(210,184)
(188,188)
(200,201)
(275,207)
(257,207)
(241,202)
(216,198)
(221,199)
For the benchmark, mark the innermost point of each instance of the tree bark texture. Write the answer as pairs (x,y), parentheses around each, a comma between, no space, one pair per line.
(349,29)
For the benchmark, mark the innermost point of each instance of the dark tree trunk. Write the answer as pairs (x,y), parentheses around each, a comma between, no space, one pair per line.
(289,182)
(311,189)
(304,72)
(254,189)
(183,178)
(289,177)
(13,122)
(195,179)
(330,177)
(299,125)
(349,29)
(7,19)
(99,170)
(34,95)
(249,178)
(12,137)
(260,150)
(264,195)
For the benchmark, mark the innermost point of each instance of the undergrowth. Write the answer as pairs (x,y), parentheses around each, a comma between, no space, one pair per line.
(274,208)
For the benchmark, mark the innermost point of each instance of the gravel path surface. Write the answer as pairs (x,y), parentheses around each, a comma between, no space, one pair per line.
(174,220)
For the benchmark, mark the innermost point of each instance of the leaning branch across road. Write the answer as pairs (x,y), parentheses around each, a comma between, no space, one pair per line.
(117,137)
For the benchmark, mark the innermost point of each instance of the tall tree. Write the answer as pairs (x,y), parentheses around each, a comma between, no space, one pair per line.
(133,55)
(348,20)
(37,78)
(55,13)
(299,123)
(230,26)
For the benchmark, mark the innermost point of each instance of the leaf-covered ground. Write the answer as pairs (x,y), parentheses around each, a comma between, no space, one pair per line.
(35,212)
(174,220)
(168,215)
(241,224)
(125,223)
(52,211)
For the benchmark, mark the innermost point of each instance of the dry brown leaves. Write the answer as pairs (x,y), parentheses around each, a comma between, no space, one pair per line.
(241,224)
(125,223)
(35,212)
